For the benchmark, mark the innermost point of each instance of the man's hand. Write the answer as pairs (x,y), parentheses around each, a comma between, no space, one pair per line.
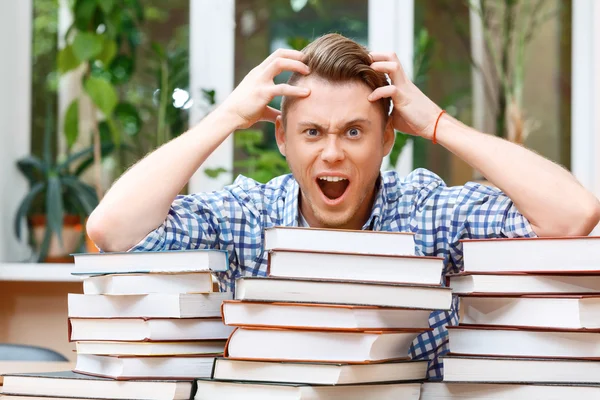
(248,103)
(414,113)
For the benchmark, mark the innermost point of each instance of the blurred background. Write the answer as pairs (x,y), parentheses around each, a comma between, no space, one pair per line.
(91,86)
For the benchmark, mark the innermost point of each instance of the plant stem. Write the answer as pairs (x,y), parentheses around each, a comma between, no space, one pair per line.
(162,106)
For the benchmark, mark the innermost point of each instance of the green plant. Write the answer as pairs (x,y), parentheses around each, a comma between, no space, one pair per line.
(102,41)
(55,190)
(261,164)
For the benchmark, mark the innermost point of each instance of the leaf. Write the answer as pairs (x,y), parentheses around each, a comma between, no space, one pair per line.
(32,167)
(127,116)
(106,5)
(297,42)
(87,45)
(121,69)
(214,172)
(109,51)
(102,93)
(72,123)
(26,205)
(115,134)
(64,166)
(298,5)
(86,195)
(84,12)
(54,206)
(43,251)
(67,60)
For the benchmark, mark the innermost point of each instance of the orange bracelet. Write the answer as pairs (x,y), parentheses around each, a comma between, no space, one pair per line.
(436,124)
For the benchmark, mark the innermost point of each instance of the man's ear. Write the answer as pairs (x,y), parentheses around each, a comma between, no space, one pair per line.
(280,134)
(389,137)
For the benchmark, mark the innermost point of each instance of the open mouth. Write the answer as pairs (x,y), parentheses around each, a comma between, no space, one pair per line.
(333,187)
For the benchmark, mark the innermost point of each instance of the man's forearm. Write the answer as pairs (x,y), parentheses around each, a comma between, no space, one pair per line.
(548,195)
(139,201)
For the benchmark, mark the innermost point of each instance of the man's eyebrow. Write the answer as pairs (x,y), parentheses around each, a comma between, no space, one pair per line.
(355,121)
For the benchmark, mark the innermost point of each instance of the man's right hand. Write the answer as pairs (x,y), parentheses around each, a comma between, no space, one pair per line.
(248,103)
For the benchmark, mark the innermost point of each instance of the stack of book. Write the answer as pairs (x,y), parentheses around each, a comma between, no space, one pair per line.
(529,324)
(147,325)
(334,318)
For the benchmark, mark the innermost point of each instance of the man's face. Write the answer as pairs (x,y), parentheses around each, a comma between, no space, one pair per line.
(334,142)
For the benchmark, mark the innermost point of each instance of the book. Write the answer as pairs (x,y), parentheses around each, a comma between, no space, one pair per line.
(199,282)
(68,384)
(355,267)
(339,240)
(484,391)
(518,342)
(522,283)
(199,347)
(288,290)
(144,329)
(318,373)
(321,316)
(565,311)
(519,370)
(565,254)
(154,305)
(126,367)
(332,346)
(210,389)
(197,260)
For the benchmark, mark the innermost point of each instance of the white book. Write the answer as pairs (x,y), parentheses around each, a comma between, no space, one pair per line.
(510,342)
(332,346)
(197,260)
(340,240)
(566,311)
(356,267)
(214,347)
(209,389)
(322,316)
(117,367)
(149,306)
(484,391)
(199,282)
(153,329)
(339,292)
(567,254)
(520,370)
(469,283)
(318,373)
(67,384)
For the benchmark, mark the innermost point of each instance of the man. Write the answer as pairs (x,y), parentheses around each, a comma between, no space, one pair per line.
(335,128)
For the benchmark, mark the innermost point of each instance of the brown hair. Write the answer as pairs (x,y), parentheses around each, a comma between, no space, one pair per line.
(336,58)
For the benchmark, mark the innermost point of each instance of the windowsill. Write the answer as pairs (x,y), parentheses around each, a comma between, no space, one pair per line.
(33,272)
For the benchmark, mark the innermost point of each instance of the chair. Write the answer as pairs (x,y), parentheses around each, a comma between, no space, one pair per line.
(22,352)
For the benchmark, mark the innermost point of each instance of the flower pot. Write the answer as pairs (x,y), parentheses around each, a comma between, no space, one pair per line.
(71,237)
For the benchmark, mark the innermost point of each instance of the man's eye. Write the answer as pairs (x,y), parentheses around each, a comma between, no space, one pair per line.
(353,132)
(312,132)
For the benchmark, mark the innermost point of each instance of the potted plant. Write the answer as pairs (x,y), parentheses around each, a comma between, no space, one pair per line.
(58,201)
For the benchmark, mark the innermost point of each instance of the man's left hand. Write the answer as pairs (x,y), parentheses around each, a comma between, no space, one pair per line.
(414,113)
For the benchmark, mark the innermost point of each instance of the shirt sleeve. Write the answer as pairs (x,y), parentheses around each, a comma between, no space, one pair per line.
(446,215)
(212,220)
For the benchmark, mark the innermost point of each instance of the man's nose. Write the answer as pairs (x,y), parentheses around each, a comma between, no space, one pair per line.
(332,152)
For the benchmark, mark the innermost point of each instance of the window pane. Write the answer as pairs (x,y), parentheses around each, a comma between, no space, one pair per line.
(263,26)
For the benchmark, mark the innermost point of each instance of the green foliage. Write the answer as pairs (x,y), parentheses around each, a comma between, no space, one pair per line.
(261,164)
(55,190)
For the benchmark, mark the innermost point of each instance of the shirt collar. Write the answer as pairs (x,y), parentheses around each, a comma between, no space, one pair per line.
(290,211)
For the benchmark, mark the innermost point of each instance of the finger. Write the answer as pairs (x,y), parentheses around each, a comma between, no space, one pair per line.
(279,65)
(380,56)
(392,68)
(283,53)
(383,92)
(270,114)
(284,89)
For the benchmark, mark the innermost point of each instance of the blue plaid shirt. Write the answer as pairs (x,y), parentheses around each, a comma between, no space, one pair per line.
(235,218)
